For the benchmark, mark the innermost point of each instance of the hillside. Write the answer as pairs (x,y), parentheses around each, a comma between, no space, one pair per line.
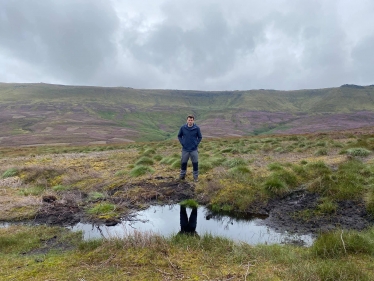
(32,114)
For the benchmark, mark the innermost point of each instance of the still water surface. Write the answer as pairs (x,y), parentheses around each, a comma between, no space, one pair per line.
(166,221)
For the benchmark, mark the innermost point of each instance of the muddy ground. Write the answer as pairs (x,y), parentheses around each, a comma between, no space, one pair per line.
(281,214)
(288,214)
(128,198)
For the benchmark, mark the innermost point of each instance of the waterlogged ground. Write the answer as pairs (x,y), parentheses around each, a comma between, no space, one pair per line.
(279,212)
(70,185)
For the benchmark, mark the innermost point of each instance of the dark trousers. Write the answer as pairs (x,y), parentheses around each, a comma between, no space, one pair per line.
(194,156)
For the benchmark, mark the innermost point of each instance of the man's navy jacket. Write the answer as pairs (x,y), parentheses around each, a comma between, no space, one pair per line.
(189,137)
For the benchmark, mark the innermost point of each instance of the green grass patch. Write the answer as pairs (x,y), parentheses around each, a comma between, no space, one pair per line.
(140,170)
(95,196)
(169,160)
(144,161)
(149,152)
(234,162)
(275,185)
(60,188)
(103,210)
(341,243)
(121,173)
(33,190)
(190,203)
(358,151)
(275,166)
(157,157)
(239,171)
(205,166)
(320,152)
(10,173)
(327,206)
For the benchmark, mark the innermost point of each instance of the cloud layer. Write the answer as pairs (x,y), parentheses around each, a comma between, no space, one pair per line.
(205,45)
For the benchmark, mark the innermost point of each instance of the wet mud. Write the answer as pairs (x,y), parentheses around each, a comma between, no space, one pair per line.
(298,213)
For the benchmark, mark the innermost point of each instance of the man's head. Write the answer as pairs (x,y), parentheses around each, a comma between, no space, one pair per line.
(190,120)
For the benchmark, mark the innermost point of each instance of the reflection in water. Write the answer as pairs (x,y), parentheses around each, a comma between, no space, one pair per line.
(188,225)
(170,220)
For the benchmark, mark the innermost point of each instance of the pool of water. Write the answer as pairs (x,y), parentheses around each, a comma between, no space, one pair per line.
(166,221)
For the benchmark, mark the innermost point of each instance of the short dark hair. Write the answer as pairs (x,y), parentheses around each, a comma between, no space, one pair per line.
(191,116)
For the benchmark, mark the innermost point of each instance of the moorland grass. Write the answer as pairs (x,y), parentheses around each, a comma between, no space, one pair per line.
(229,181)
(340,255)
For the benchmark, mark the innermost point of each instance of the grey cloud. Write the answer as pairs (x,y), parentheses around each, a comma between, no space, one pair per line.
(207,50)
(363,58)
(69,38)
(207,45)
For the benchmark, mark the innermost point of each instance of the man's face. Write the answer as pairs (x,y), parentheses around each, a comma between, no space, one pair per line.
(190,122)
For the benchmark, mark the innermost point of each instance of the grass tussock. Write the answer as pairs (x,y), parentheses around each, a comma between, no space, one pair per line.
(358,151)
(140,170)
(145,161)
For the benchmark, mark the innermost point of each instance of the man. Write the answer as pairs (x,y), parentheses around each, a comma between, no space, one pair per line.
(189,136)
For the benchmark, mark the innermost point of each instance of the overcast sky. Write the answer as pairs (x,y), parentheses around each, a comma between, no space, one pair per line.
(188,44)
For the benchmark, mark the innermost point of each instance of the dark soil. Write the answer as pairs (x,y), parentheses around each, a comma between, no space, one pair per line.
(49,244)
(297,213)
(288,213)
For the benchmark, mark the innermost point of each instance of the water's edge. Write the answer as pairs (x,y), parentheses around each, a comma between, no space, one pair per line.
(166,221)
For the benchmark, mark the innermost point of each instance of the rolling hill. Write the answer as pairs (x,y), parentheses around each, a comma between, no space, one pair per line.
(37,114)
